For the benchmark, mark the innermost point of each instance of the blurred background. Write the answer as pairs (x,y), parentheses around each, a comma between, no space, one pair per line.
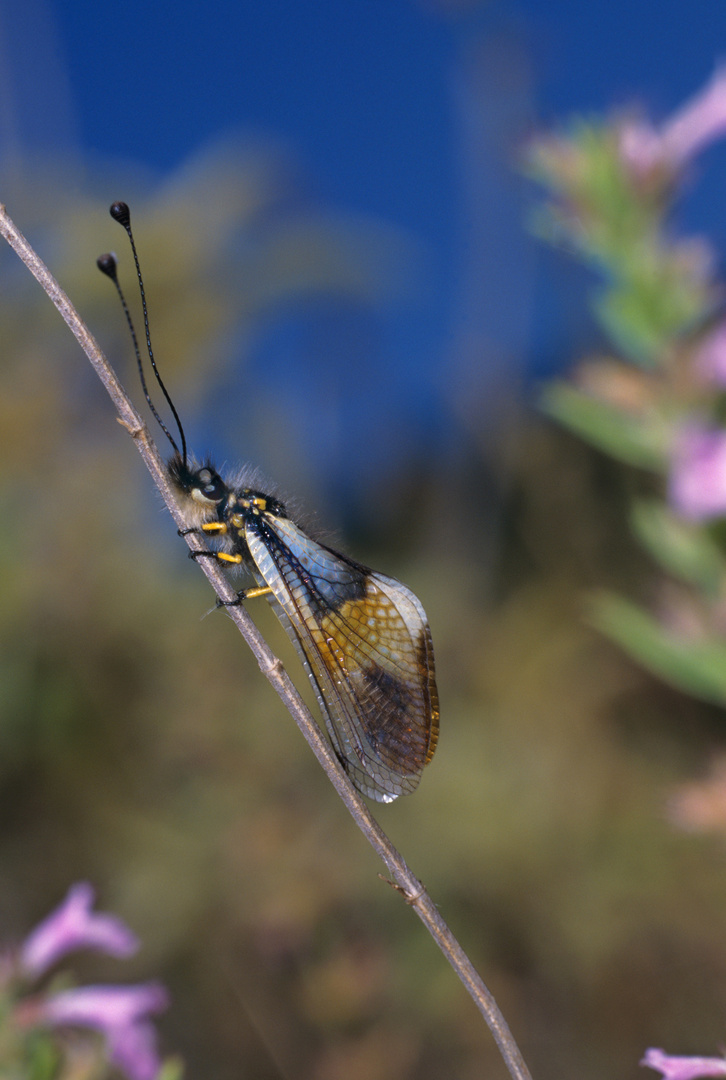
(333,230)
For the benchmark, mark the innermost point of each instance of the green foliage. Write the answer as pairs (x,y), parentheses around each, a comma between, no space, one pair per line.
(697,667)
(682,548)
(31,1053)
(611,186)
(634,439)
(654,287)
(43,1061)
(649,303)
(598,214)
(172,1069)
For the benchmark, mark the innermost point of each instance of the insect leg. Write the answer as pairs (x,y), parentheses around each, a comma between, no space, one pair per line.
(209,527)
(246,594)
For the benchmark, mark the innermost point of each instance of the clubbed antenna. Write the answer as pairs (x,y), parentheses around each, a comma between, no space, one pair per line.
(107,265)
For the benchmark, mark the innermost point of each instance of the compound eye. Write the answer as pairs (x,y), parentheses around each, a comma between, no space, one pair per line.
(210,485)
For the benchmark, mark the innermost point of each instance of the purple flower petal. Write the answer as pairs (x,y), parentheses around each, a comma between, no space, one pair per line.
(698,473)
(72,925)
(710,359)
(701,121)
(119,1013)
(641,147)
(133,1050)
(683,1068)
(105,1007)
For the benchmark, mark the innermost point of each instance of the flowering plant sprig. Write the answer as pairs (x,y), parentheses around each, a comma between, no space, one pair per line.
(672,1067)
(35,1024)
(656,400)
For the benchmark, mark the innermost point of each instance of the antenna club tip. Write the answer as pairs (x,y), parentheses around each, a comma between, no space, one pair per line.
(107,265)
(120,212)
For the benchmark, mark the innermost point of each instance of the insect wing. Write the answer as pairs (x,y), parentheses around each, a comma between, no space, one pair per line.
(365,642)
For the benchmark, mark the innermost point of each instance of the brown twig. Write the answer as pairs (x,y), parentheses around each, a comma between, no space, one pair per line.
(402,878)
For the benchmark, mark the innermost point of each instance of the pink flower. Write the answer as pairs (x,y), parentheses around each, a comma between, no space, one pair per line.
(120,1014)
(698,473)
(710,359)
(701,121)
(683,1068)
(72,925)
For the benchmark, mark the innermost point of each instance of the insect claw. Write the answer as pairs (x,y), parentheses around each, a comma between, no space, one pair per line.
(230,603)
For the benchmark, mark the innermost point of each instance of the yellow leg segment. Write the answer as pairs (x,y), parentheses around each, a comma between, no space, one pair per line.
(246,594)
(259,590)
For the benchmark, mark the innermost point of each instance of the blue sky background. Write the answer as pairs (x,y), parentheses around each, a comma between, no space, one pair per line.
(410,111)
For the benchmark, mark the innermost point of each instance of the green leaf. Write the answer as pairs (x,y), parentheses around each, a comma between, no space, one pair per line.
(172,1069)
(645,307)
(43,1057)
(635,439)
(697,667)
(685,550)
(630,326)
